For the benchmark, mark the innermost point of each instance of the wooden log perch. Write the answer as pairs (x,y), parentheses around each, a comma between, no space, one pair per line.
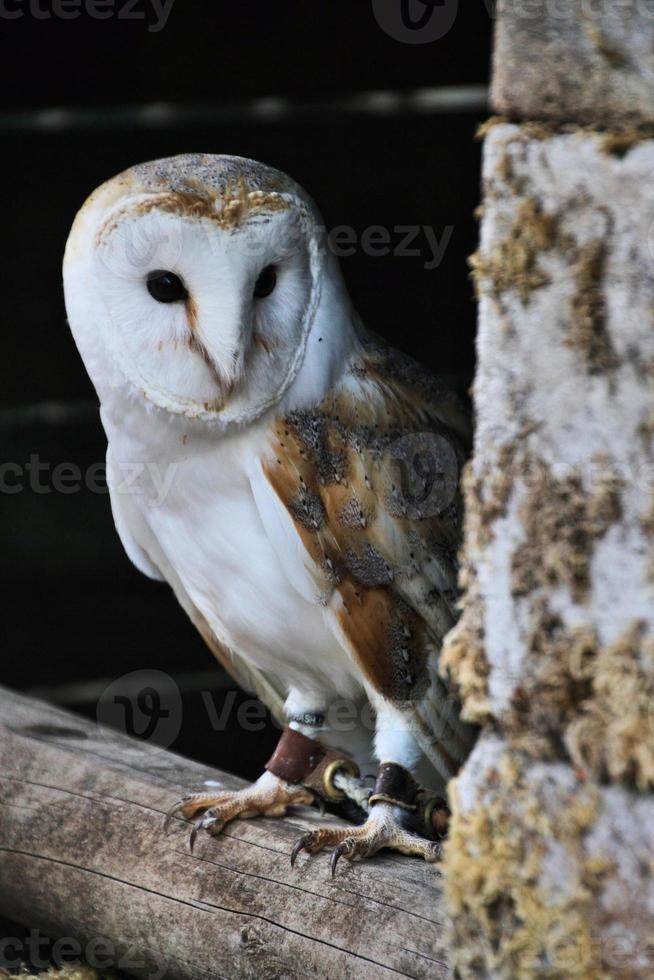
(83,855)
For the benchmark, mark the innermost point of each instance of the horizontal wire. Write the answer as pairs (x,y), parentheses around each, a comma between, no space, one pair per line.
(90,691)
(270,109)
(50,413)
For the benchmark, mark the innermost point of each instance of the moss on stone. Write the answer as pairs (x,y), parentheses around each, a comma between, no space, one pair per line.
(462,658)
(503,920)
(513,261)
(587,330)
(557,679)
(543,876)
(615,140)
(613,734)
(561,523)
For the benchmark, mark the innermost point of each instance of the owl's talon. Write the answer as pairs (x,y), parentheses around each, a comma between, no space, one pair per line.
(297,847)
(269,796)
(194,833)
(381,830)
(304,843)
(172,812)
(341,850)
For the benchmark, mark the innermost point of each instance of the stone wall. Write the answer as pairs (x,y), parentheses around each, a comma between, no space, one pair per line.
(549,864)
(588,61)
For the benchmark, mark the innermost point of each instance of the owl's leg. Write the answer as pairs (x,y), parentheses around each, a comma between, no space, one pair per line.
(300,772)
(403,817)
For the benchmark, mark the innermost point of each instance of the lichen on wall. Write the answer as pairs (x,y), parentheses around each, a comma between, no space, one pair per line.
(554,652)
(565,274)
(536,882)
(561,521)
(587,331)
(513,262)
(612,736)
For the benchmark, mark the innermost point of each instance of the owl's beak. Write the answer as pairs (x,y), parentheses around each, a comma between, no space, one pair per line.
(225,366)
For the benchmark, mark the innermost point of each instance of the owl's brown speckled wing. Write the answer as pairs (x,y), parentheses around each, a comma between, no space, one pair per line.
(369,478)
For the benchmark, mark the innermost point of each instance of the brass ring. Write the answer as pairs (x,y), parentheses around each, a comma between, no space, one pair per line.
(433,803)
(331,792)
(429,809)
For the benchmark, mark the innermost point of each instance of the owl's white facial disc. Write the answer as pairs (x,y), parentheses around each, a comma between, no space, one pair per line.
(194,282)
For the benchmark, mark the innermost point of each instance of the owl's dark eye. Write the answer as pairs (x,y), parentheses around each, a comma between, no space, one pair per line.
(266,282)
(165,286)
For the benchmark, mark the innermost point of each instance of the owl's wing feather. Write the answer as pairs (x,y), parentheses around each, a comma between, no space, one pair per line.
(366,517)
(129,523)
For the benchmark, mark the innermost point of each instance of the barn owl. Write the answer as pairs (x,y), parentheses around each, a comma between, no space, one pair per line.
(269,440)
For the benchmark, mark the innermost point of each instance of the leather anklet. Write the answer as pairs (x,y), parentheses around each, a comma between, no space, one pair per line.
(395,785)
(300,759)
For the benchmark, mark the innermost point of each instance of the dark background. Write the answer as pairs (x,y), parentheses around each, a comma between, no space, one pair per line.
(75,613)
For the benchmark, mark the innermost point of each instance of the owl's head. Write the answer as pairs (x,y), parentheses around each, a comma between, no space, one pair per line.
(195,281)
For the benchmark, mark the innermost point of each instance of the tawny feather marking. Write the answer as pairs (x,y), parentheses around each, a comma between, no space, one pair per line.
(333,472)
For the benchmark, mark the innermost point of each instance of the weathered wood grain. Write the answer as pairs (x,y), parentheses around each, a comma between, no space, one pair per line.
(83,854)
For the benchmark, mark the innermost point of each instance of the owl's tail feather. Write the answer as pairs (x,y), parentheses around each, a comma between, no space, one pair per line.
(436,724)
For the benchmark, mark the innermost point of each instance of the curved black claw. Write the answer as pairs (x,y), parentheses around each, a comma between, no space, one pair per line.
(319,803)
(344,848)
(194,833)
(208,819)
(175,808)
(304,843)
